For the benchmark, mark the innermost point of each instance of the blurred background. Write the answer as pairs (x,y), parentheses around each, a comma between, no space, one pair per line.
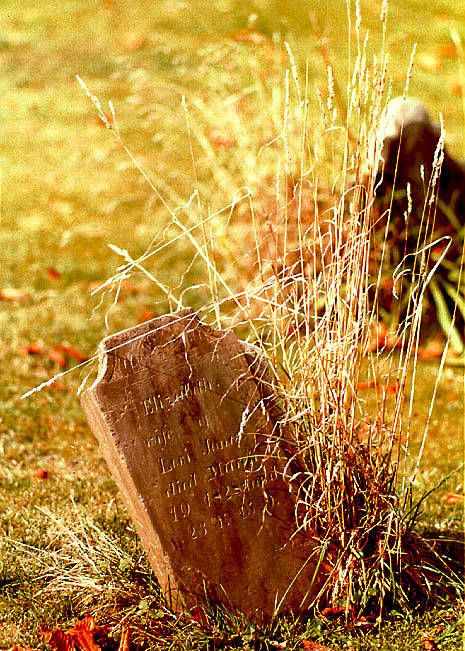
(69,189)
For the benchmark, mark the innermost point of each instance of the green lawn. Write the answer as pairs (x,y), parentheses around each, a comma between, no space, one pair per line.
(69,189)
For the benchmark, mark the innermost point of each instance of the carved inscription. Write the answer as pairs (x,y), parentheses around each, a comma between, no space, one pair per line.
(182,416)
(179,483)
(154,403)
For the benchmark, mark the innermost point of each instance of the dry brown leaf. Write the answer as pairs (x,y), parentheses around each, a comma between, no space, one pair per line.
(454,498)
(59,641)
(361,386)
(393,388)
(428,643)
(53,274)
(14,294)
(71,352)
(309,645)
(79,638)
(56,356)
(57,386)
(378,386)
(31,349)
(447,51)
(220,141)
(146,315)
(57,353)
(433,350)
(42,474)
(83,636)
(96,119)
(381,337)
(334,611)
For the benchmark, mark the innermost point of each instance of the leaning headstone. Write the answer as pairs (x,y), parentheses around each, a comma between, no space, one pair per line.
(186,421)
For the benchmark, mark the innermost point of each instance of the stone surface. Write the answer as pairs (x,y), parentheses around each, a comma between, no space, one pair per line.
(185,418)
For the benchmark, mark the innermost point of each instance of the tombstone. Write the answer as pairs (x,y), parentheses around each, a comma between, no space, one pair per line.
(187,422)
(410,138)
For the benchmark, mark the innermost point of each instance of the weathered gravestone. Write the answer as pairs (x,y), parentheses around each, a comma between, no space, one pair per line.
(410,139)
(185,419)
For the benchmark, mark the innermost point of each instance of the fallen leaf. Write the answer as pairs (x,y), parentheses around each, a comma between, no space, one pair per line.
(42,474)
(131,41)
(433,350)
(83,635)
(334,611)
(98,120)
(392,388)
(71,352)
(219,140)
(454,498)
(57,386)
(31,349)
(381,337)
(59,641)
(53,274)
(56,356)
(147,315)
(79,638)
(56,353)
(447,51)
(125,641)
(428,643)
(14,294)
(378,386)
(314,646)
(366,384)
